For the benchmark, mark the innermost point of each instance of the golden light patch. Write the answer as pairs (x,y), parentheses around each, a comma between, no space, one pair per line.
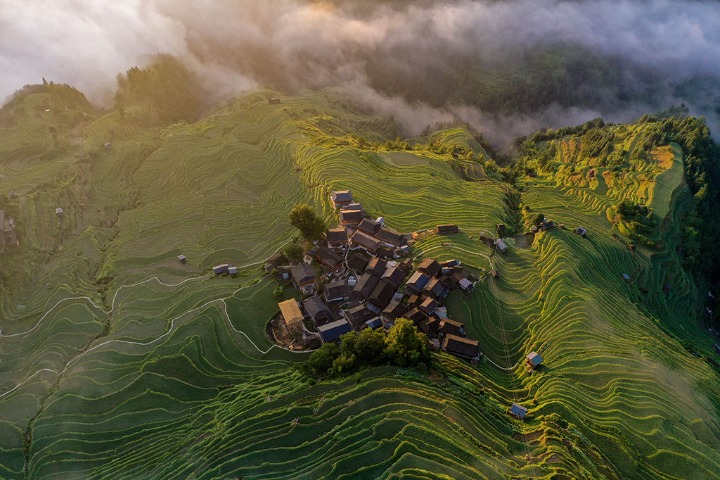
(664,156)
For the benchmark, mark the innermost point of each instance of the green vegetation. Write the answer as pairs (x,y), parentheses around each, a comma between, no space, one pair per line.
(118,361)
(303,218)
(403,345)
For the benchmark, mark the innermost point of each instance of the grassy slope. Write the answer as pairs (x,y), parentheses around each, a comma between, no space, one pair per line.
(177,381)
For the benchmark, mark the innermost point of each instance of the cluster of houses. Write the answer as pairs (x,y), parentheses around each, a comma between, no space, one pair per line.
(8,237)
(359,277)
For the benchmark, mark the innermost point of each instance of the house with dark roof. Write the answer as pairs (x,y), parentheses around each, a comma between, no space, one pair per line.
(460,346)
(353,206)
(447,229)
(221,269)
(363,240)
(317,310)
(336,291)
(518,410)
(534,359)
(350,217)
(582,231)
(428,305)
(394,275)
(375,322)
(368,226)
(357,261)
(303,277)
(365,286)
(394,310)
(336,238)
(436,288)
(390,237)
(277,259)
(449,263)
(500,245)
(430,267)
(452,327)
(340,198)
(416,315)
(376,266)
(357,316)
(328,258)
(331,332)
(414,300)
(417,282)
(382,294)
(433,325)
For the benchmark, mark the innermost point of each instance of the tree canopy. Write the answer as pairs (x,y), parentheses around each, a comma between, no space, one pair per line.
(303,218)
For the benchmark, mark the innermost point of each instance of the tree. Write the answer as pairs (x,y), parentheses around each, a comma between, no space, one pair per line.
(404,345)
(370,346)
(304,219)
(321,360)
(294,252)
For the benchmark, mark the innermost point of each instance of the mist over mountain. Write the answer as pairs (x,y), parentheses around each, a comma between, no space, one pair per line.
(508,67)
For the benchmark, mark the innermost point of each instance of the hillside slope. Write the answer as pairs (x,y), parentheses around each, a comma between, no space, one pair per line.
(116,361)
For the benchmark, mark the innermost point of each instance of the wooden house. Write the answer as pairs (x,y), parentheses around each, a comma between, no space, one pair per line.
(365,241)
(436,289)
(534,360)
(357,316)
(336,238)
(460,346)
(341,198)
(390,237)
(329,259)
(395,275)
(317,310)
(303,277)
(365,286)
(350,218)
(447,229)
(417,282)
(500,245)
(430,267)
(357,261)
(376,266)
(221,269)
(428,306)
(330,332)
(369,227)
(292,315)
(382,294)
(451,327)
(336,291)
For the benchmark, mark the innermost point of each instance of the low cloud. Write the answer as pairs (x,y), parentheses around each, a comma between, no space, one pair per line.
(563,62)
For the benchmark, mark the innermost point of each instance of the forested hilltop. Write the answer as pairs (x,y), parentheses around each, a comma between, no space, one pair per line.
(117,360)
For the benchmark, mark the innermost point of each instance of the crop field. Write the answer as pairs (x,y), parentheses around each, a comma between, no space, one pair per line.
(117,361)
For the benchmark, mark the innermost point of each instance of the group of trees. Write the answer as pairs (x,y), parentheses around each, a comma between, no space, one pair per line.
(402,345)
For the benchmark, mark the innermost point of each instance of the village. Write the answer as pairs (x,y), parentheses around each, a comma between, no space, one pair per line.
(360,276)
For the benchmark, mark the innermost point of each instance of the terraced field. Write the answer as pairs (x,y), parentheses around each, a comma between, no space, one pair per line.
(117,361)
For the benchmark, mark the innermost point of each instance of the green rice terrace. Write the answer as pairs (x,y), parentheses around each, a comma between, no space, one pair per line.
(117,361)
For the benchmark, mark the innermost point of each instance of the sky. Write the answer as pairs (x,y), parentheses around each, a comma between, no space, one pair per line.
(399,57)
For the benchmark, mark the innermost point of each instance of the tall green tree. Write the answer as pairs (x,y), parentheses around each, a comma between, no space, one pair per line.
(303,218)
(404,345)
